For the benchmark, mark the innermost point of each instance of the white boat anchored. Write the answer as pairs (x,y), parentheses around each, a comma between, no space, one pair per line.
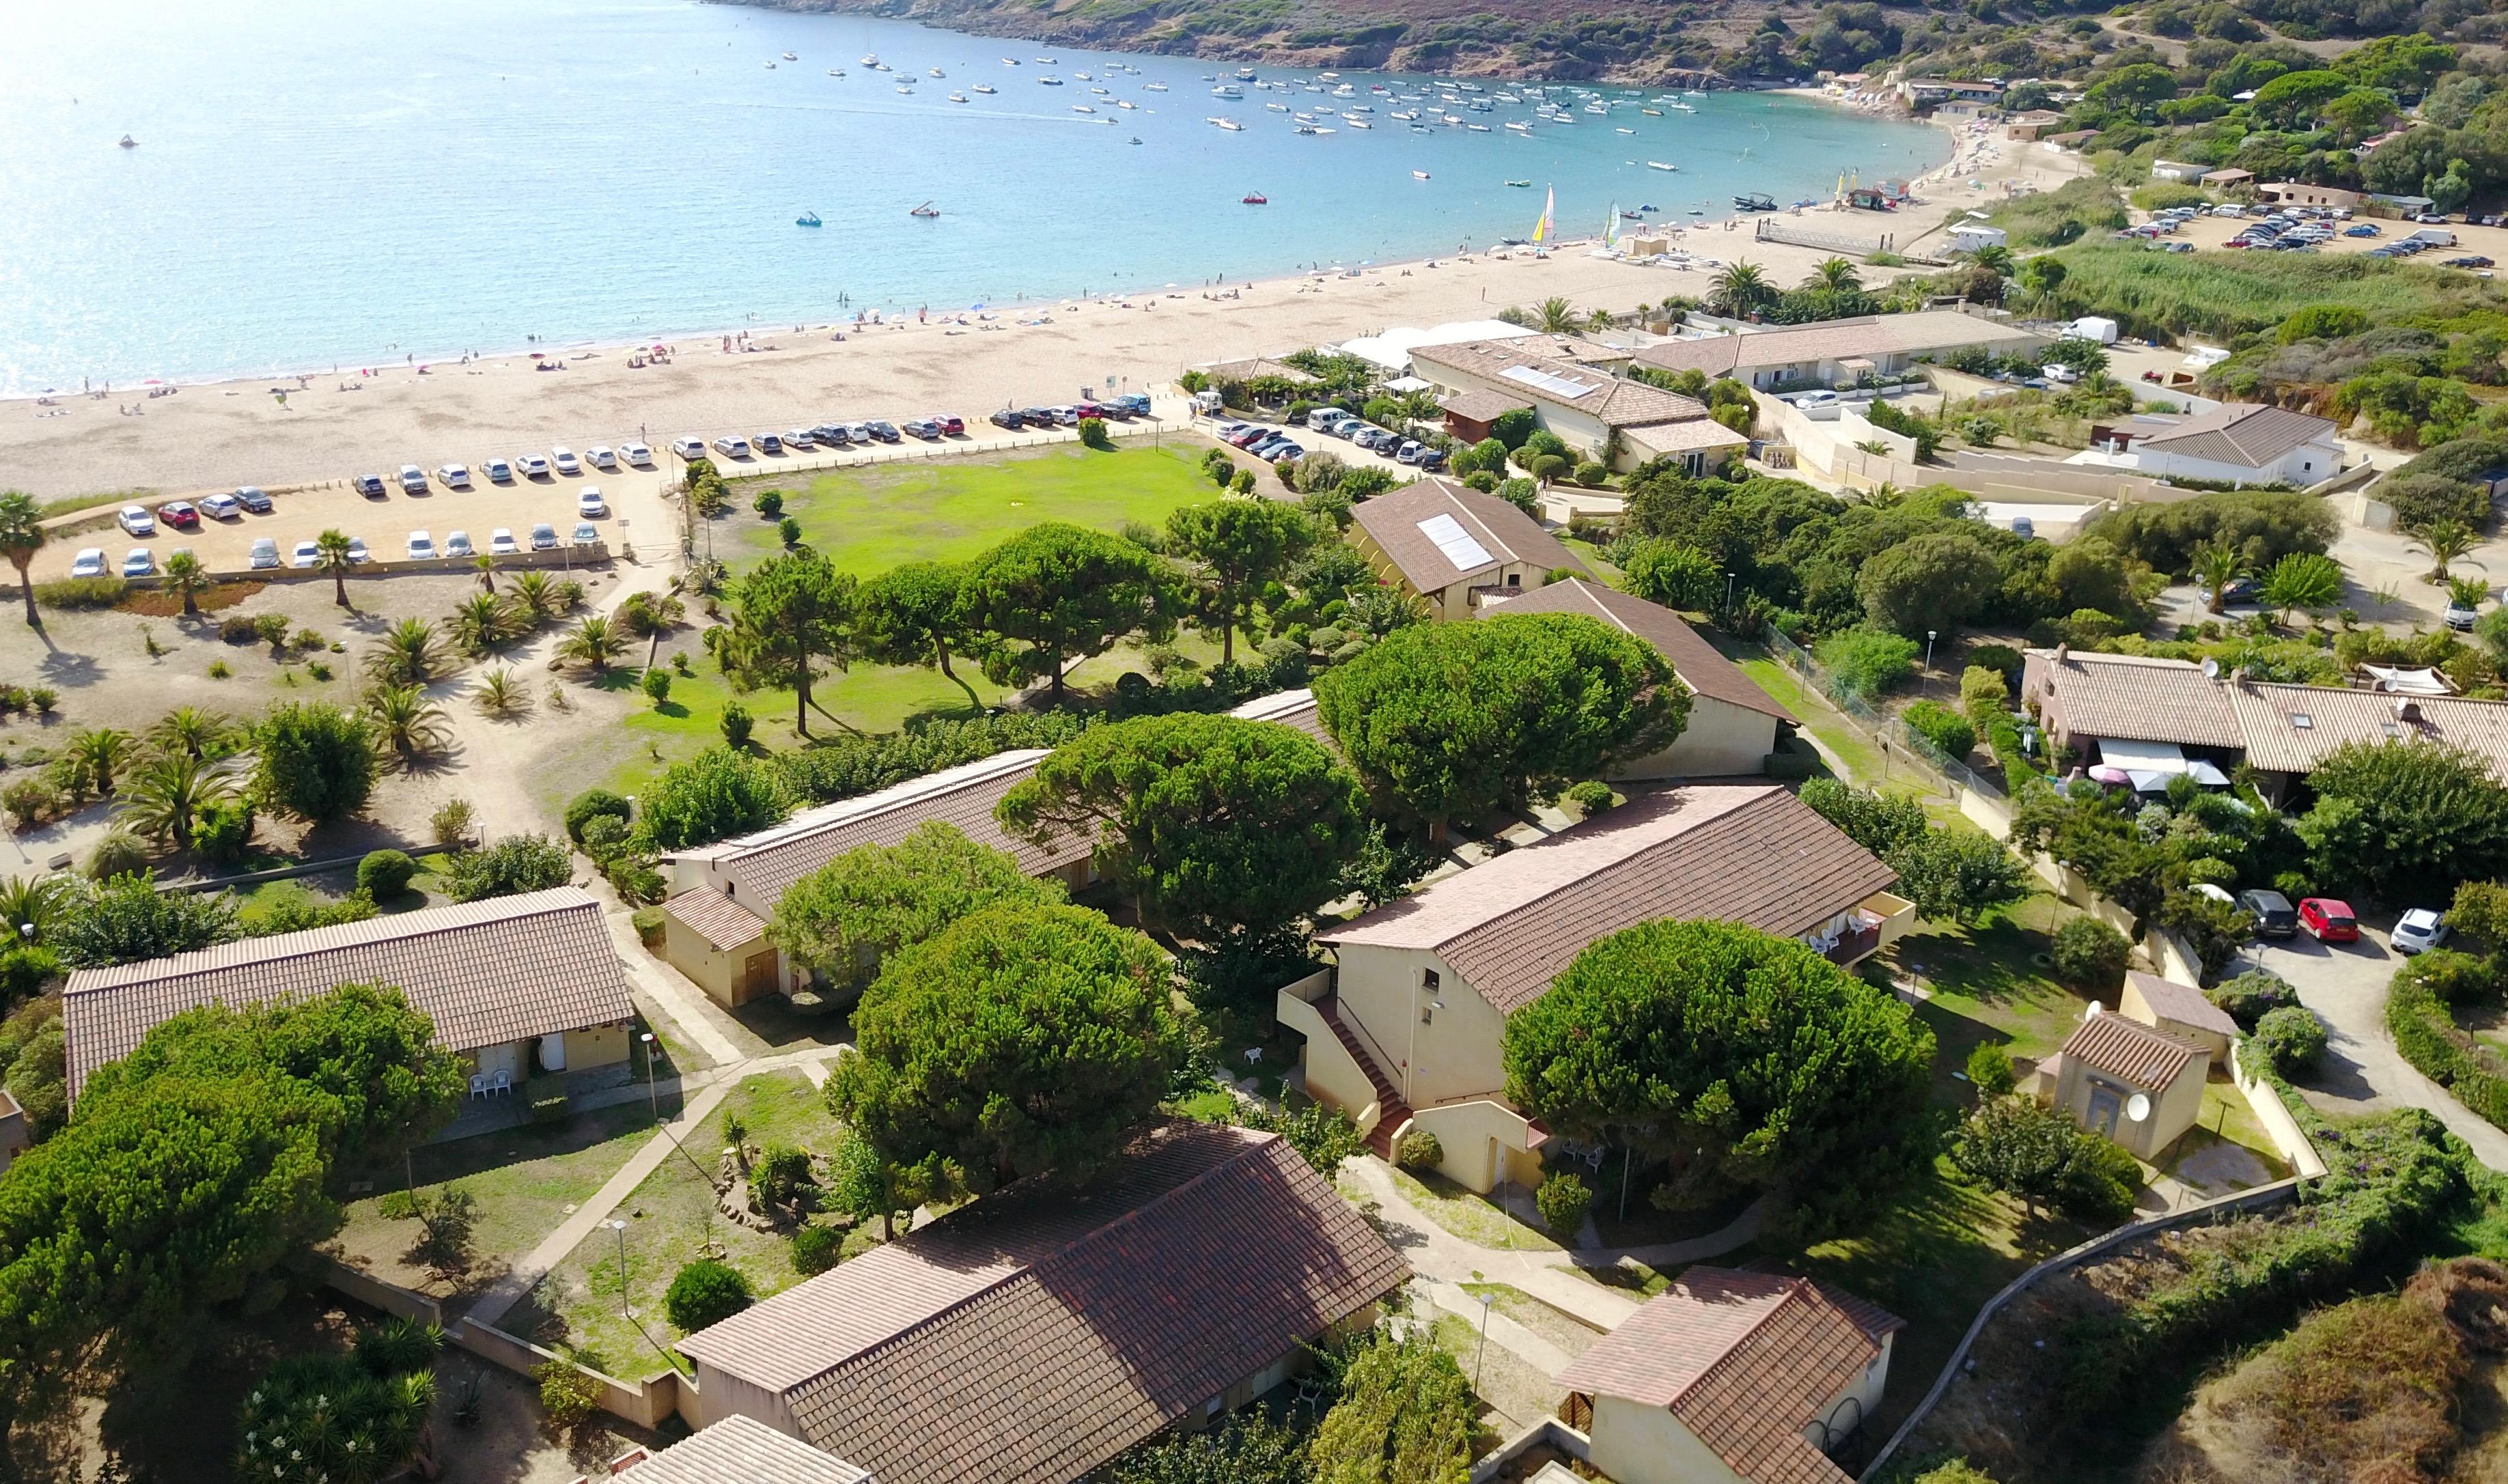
(984,88)
(1657,165)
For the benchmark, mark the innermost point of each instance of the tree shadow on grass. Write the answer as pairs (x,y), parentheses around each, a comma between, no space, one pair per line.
(1997,962)
(671,709)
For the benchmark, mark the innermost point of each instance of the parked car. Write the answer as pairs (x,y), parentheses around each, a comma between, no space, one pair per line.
(544,537)
(1435,458)
(586,533)
(305,555)
(768,443)
(860,432)
(413,479)
(2329,920)
(139,562)
(222,508)
(2241,591)
(499,471)
(921,429)
(370,486)
(600,457)
(1009,418)
(2364,229)
(531,465)
(688,447)
(1407,453)
(454,477)
(637,455)
(89,563)
(1810,399)
(2273,915)
(951,426)
(500,542)
(565,461)
(180,515)
(457,546)
(796,439)
(358,549)
(830,435)
(886,432)
(422,547)
(1039,417)
(2419,930)
(137,520)
(264,554)
(589,503)
(2459,617)
(732,446)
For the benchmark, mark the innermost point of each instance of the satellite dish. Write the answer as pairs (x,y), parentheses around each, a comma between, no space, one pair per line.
(2211,669)
(2137,1107)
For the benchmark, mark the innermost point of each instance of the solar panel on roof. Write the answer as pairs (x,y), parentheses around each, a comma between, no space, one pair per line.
(1455,542)
(1555,385)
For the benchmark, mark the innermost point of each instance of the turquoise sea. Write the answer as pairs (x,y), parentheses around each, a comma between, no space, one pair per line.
(330,181)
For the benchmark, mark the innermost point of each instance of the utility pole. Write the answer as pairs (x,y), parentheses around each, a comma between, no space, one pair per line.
(620,1227)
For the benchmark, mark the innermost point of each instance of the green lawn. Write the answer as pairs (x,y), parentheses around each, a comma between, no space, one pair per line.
(1568,1333)
(868,520)
(1473,1218)
(669,1217)
(1861,758)
(1989,982)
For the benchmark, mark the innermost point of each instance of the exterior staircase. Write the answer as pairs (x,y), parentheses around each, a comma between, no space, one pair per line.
(1392,1111)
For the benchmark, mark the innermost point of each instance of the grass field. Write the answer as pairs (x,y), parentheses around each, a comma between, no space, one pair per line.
(868,520)
(2224,294)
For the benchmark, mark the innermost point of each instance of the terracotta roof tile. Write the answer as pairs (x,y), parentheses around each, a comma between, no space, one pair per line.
(1746,1360)
(1700,665)
(1031,1335)
(2137,697)
(1750,853)
(2129,1051)
(1480,406)
(2172,1001)
(2248,434)
(742,1450)
(1695,436)
(1289,708)
(487,972)
(1394,520)
(1613,401)
(717,918)
(1916,334)
(2276,743)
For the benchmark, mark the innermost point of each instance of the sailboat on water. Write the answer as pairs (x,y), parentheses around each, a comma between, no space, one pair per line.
(924,210)
(1542,228)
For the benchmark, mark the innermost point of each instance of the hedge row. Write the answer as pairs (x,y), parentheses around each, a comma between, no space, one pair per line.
(2428,1035)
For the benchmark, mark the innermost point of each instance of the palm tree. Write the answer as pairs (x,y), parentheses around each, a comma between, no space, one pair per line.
(1997,258)
(408,655)
(31,902)
(1836,275)
(1558,315)
(187,577)
(2467,592)
(169,790)
(649,616)
(485,566)
(2445,540)
(331,555)
(1741,288)
(194,733)
(99,753)
(593,642)
(2216,566)
(499,695)
(1599,319)
(407,720)
(481,622)
(21,536)
(2304,580)
(537,596)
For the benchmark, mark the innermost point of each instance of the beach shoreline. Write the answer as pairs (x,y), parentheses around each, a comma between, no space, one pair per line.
(224,432)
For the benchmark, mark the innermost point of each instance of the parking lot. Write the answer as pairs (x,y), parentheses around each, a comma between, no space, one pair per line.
(2210,233)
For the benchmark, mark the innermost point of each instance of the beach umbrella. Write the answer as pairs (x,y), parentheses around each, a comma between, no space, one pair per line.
(2104,773)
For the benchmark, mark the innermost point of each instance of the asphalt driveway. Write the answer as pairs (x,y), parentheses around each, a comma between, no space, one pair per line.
(2345,984)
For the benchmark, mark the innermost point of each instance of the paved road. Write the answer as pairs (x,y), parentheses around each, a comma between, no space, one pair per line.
(2345,984)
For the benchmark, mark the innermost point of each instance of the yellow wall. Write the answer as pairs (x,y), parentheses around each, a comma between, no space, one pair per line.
(596,1046)
(1332,1077)
(1482,1143)
(1452,603)
(1455,1054)
(2173,1109)
(1722,740)
(711,969)
(1638,1444)
(2137,1008)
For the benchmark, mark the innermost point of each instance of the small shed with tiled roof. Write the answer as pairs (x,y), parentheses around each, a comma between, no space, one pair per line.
(2108,1061)
(1732,1376)
(2177,1010)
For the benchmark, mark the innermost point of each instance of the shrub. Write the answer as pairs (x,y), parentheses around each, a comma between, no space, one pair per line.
(82,592)
(239,628)
(2100,1185)
(514,864)
(1093,434)
(2450,976)
(591,804)
(1984,698)
(385,874)
(1864,662)
(1419,1150)
(1989,1069)
(789,532)
(1591,798)
(567,1395)
(815,1249)
(1563,1200)
(1946,729)
(737,724)
(118,853)
(2090,955)
(1592,475)
(2289,1039)
(2001,659)
(706,1292)
(657,685)
(222,831)
(2251,996)
(769,503)
(450,824)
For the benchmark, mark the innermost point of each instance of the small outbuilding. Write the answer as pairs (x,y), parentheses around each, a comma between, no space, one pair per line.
(2138,1087)
(2177,1010)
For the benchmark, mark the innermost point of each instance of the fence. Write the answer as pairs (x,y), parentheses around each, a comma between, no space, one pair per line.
(1956,777)
(856,457)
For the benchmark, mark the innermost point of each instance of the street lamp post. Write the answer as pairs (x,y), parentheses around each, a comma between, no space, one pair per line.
(1928,660)
(1482,1353)
(651,1094)
(1728,600)
(620,1227)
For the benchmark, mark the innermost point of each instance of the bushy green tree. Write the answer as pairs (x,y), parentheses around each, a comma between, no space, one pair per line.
(1214,825)
(1055,594)
(1241,545)
(1563,1200)
(2290,1038)
(1937,580)
(2250,996)
(2407,819)
(792,617)
(706,1292)
(1864,662)
(128,920)
(843,920)
(1246,1448)
(713,795)
(908,615)
(2090,955)
(1673,574)
(514,864)
(1958,875)
(1464,721)
(1020,1040)
(1404,1417)
(315,761)
(1746,1059)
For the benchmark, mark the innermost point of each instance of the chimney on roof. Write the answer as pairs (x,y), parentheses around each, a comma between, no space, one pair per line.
(2063,651)
(2407,710)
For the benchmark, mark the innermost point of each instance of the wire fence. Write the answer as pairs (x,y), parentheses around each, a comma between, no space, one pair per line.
(1883,730)
(855,456)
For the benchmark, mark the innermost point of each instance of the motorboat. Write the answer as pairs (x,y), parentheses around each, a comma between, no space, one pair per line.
(808,219)
(1657,165)
(789,56)
(936,72)
(957,97)
(1154,87)
(1526,184)
(871,60)
(1419,175)
(835,73)
(1358,124)
(129,142)
(984,88)
(1651,113)
(1082,108)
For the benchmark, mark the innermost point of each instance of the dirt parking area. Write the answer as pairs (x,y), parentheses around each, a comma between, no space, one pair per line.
(2210,232)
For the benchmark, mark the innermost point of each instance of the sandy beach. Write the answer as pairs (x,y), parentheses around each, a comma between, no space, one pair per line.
(222,434)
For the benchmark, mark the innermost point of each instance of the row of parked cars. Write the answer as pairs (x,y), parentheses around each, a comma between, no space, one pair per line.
(1120,408)
(2329,919)
(184,515)
(1333,422)
(931,429)
(558,461)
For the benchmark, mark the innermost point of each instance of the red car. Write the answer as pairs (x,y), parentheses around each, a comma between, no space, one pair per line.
(953,426)
(179,514)
(2328,920)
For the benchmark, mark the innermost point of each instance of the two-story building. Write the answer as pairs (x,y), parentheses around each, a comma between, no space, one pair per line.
(1407,1028)
(1619,421)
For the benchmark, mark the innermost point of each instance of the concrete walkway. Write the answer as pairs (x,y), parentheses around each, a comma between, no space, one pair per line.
(682,1001)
